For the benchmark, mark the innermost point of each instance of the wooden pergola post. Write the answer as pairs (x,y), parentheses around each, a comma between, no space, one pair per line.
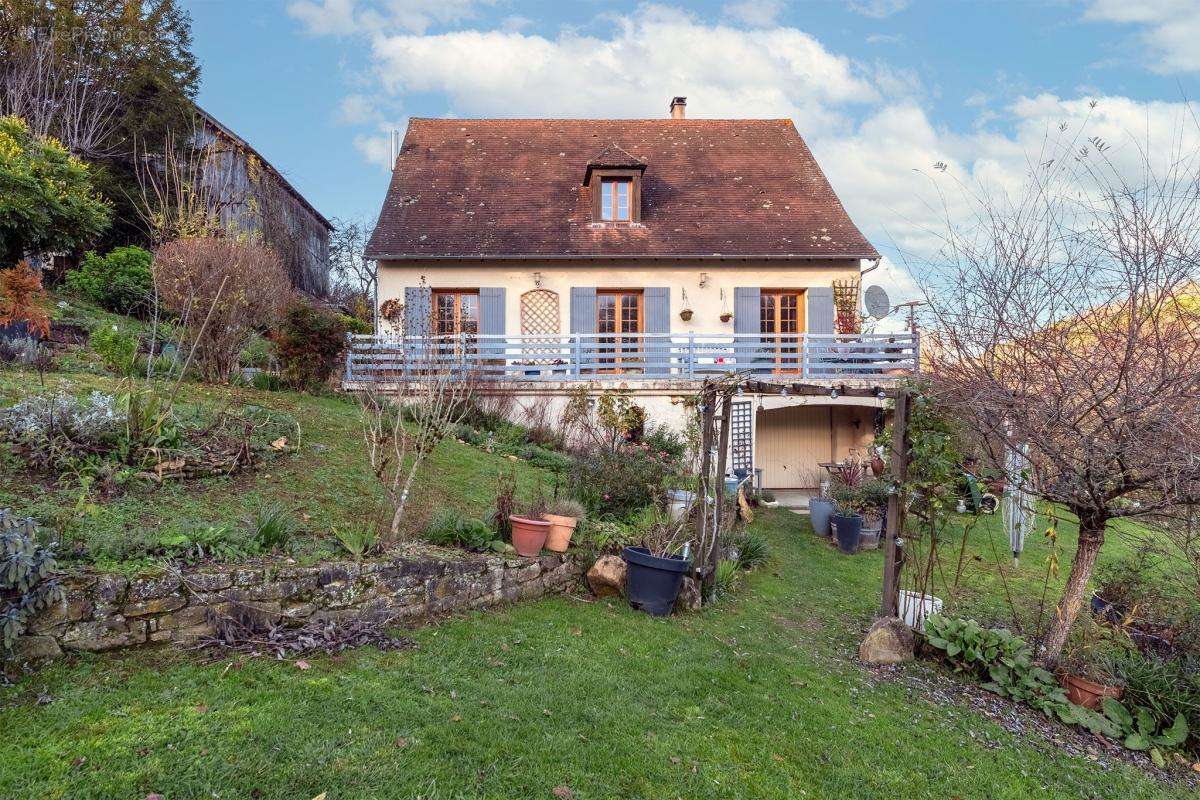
(722,457)
(708,402)
(895,510)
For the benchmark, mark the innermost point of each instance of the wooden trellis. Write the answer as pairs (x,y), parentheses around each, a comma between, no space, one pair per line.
(845,303)
(539,316)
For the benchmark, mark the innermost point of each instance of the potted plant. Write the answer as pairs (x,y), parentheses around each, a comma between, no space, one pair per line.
(847,491)
(655,569)
(874,511)
(529,531)
(1088,673)
(563,515)
(820,513)
(726,314)
(685,313)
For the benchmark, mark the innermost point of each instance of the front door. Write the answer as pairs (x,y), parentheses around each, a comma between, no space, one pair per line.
(618,311)
(781,321)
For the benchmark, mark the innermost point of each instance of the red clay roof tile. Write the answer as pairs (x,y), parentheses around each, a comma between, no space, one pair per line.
(511,188)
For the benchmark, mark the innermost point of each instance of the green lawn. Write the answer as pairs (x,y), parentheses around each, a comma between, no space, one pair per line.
(757,698)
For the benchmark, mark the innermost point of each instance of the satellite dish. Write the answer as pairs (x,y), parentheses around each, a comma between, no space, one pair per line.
(875,298)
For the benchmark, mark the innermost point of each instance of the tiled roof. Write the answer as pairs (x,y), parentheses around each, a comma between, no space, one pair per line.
(513,188)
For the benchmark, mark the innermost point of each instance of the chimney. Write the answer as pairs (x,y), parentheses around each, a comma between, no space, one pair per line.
(678,106)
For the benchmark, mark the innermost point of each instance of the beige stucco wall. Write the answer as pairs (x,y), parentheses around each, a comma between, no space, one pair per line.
(518,277)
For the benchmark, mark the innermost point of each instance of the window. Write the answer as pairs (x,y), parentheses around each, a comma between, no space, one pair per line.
(781,317)
(614,199)
(618,312)
(455,311)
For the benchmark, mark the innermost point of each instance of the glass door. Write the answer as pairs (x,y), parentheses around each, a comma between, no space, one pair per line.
(618,312)
(781,323)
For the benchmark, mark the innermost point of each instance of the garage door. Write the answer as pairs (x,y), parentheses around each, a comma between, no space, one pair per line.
(790,444)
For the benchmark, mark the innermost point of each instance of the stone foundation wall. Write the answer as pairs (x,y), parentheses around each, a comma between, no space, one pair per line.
(103,611)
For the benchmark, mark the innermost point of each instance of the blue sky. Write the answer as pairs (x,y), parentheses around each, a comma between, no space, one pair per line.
(881,89)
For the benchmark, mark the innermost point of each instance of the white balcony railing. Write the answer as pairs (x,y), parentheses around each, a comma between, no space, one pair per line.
(641,356)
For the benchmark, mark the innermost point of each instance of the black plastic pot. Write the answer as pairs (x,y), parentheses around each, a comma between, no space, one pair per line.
(847,530)
(652,582)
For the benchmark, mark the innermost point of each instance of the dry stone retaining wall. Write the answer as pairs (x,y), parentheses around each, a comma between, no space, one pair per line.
(103,611)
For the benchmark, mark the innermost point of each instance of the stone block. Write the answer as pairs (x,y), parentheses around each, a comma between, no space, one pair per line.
(157,605)
(607,576)
(889,641)
(152,588)
(108,634)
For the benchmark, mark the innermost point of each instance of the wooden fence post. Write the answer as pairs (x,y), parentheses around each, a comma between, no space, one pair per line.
(707,411)
(895,512)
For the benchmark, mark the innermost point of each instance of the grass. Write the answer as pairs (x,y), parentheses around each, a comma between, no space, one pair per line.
(327,484)
(758,697)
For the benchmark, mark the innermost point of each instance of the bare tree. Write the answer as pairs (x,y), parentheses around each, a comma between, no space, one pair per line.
(402,427)
(356,276)
(1066,319)
(67,93)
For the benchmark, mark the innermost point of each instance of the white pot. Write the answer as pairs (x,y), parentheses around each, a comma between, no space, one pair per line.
(915,608)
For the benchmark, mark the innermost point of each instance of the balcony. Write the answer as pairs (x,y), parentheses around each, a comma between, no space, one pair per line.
(633,357)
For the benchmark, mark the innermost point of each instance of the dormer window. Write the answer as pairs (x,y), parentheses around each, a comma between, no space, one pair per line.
(614,199)
(614,178)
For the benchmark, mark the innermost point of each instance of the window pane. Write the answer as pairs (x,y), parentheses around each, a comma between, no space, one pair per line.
(606,199)
(468,313)
(623,200)
(766,316)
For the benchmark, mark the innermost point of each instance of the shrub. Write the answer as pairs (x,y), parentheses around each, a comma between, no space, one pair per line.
(21,298)
(606,536)
(119,281)
(46,197)
(505,503)
(309,345)
(1003,660)
(622,481)
(450,528)
(662,439)
(27,582)
(1165,688)
(211,542)
(117,348)
(256,353)
(222,290)
(48,430)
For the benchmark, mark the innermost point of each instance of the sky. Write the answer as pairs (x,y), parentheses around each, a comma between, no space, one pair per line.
(896,98)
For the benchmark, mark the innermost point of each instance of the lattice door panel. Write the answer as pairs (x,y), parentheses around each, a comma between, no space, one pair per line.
(741,437)
(539,315)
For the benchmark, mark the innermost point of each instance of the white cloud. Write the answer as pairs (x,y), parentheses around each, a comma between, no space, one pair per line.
(324,18)
(877,9)
(342,17)
(755,13)
(650,56)
(1169,28)
(356,109)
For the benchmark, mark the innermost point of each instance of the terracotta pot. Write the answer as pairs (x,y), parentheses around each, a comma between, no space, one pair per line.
(561,530)
(1089,694)
(528,535)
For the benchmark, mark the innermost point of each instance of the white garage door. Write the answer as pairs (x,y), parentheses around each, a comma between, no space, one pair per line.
(791,442)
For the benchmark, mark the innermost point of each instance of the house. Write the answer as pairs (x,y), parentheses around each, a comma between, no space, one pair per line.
(646,254)
(251,195)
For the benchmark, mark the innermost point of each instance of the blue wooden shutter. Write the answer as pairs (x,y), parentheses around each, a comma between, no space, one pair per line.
(745,320)
(656,304)
(583,320)
(820,310)
(418,307)
(821,316)
(491,321)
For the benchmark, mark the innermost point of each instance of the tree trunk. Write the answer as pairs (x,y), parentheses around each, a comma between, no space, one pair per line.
(1091,537)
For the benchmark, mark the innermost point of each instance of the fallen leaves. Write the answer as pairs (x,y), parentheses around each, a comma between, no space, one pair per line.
(563,792)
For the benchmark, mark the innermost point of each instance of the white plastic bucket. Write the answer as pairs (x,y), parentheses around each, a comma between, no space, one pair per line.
(915,608)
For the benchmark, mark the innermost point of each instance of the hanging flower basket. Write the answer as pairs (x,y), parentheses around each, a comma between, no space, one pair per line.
(726,316)
(685,314)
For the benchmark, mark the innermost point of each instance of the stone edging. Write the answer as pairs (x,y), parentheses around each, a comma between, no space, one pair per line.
(105,611)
